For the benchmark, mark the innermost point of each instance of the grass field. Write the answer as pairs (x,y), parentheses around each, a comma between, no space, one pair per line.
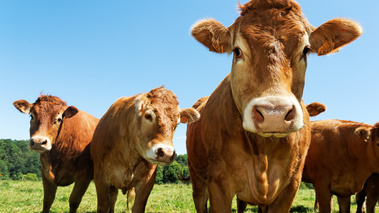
(27,196)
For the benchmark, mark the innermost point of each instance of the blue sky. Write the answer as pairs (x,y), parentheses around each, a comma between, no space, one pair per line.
(91,52)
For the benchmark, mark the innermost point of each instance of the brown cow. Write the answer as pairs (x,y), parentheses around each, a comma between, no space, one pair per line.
(254,132)
(371,190)
(133,136)
(342,155)
(61,134)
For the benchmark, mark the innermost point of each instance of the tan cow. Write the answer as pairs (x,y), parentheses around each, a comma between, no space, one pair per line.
(133,136)
(371,190)
(61,134)
(254,132)
(342,155)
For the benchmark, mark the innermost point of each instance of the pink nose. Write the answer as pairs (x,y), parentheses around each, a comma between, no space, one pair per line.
(274,118)
(166,154)
(38,143)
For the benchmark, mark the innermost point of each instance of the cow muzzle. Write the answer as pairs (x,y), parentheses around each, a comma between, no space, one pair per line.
(161,154)
(40,144)
(273,116)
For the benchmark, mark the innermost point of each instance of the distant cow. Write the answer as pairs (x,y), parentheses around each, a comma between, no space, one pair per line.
(133,136)
(61,134)
(371,190)
(254,132)
(342,155)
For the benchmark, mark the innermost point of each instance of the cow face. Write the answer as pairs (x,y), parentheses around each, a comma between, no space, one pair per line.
(46,117)
(270,42)
(159,114)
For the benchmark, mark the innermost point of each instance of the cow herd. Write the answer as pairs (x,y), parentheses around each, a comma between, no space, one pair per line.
(251,138)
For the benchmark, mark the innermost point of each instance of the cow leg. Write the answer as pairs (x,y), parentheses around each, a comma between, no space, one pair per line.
(78,191)
(113,198)
(143,190)
(360,199)
(103,190)
(199,192)
(49,190)
(284,200)
(220,193)
(324,197)
(241,205)
(371,202)
(344,204)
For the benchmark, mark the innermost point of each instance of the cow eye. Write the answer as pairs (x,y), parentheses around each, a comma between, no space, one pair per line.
(58,121)
(238,53)
(149,117)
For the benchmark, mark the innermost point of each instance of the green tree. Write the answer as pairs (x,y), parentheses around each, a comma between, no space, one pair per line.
(170,172)
(159,177)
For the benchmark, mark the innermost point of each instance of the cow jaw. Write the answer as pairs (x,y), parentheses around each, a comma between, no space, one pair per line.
(275,116)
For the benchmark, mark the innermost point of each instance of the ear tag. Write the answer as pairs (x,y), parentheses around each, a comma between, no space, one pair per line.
(327,48)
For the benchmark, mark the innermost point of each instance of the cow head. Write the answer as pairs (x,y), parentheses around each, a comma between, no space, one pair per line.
(46,117)
(159,114)
(270,42)
(369,134)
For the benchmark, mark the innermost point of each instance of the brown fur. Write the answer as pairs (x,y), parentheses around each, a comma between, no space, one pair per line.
(371,190)
(120,141)
(69,159)
(270,41)
(340,159)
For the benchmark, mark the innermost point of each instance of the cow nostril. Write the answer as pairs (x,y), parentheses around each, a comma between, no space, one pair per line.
(160,152)
(290,115)
(31,143)
(44,142)
(258,116)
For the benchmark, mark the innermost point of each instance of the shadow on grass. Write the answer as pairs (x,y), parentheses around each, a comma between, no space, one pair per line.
(294,209)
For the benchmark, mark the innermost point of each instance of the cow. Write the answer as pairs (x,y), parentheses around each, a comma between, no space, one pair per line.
(62,135)
(132,138)
(371,190)
(341,157)
(254,131)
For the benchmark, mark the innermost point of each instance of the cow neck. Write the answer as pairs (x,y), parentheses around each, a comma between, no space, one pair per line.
(46,166)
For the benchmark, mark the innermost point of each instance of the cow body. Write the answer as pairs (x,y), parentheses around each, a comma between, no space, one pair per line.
(62,136)
(371,190)
(254,133)
(342,155)
(132,137)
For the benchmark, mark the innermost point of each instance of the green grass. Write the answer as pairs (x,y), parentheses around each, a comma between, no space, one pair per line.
(27,196)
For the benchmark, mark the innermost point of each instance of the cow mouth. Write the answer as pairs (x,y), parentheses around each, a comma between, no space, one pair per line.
(154,161)
(274,134)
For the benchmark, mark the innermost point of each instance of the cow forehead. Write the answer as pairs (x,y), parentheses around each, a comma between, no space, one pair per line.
(284,35)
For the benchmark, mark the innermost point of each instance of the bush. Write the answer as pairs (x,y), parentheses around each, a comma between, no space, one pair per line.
(31,176)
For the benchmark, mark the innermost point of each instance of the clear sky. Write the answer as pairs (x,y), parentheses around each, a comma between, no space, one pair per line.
(91,52)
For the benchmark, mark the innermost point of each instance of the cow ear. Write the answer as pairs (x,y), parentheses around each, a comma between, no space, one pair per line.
(363,132)
(70,111)
(315,108)
(139,104)
(334,34)
(23,106)
(213,35)
(189,115)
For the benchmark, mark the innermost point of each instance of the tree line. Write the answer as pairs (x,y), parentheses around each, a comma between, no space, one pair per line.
(18,162)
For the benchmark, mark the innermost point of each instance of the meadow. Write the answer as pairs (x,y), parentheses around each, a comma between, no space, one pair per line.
(27,196)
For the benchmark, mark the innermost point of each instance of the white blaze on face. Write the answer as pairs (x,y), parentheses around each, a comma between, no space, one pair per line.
(273,116)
